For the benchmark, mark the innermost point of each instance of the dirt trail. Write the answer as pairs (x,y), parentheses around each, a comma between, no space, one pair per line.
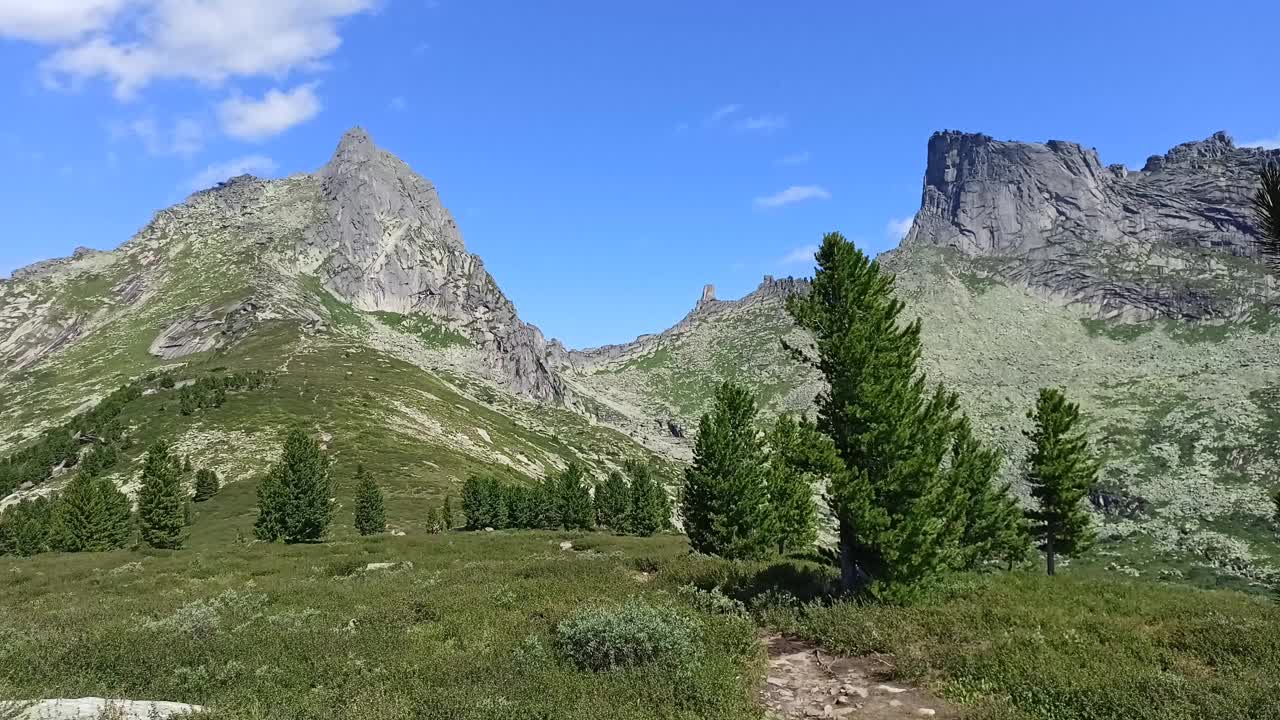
(804,682)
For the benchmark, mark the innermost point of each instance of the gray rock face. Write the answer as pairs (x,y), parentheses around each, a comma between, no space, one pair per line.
(386,243)
(1158,242)
(205,331)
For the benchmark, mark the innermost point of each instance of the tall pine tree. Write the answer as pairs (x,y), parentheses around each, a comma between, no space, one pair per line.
(799,456)
(293,499)
(994,527)
(726,496)
(483,504)
(370,514)
(649,506)
(450,521)
(612,500)
(1060,471)
(162,500)
(894,499)
(207,485)
(574,499)
(27,528)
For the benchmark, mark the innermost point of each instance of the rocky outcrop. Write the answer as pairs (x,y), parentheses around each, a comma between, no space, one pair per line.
(204,331)
(44,267)
(1136,244)
(386,243)
(92,708)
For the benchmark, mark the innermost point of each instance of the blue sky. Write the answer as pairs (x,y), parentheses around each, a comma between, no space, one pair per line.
(606,159)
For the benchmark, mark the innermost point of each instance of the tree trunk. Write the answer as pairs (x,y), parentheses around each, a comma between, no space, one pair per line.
(1048,553)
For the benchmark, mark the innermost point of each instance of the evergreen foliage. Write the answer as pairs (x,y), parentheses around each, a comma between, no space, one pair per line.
(895,498)
(798,457)
(27,528)
(483,503)
(650,506)
(1060,471)
(162,501)
(994,527)
(1266,205)
(573,499)
(450,520)
(370,512)
(612,501)
(207,485)
(293,499)
(726,496)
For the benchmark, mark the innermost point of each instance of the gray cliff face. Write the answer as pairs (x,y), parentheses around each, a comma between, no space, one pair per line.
(1132,244)
(386,243)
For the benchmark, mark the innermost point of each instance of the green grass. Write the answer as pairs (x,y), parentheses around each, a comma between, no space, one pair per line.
(424,328)
(1122,332)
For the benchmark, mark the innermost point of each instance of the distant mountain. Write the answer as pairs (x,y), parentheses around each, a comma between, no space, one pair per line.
(1031,265)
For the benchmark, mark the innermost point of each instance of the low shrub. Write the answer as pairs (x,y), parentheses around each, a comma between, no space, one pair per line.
(606,638)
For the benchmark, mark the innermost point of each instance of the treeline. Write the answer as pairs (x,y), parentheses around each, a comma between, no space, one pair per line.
(629,502)
(211,391)
(913,490)
(91,514)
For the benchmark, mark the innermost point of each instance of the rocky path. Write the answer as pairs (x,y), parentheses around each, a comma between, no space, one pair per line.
(804,682)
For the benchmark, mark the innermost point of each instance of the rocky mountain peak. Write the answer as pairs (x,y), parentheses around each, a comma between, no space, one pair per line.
(1196,154)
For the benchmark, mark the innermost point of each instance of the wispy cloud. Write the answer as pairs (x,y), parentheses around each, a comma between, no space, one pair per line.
(761,123)
(802,254)
(275,112)
(898,228)
(718,115)
(184,139)
(259,165)
(1271,143)
(792,195)
(795,158)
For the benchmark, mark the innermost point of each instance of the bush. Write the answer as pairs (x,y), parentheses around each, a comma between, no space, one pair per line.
(604,638)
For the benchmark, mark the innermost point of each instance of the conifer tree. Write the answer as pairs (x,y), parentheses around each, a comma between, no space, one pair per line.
(726,496)
(893,498)
(207,485)
(483,504)
(649,509)
(799,456)
(1276,500)
(450,521)
(1060,471)
(434,521)
(161,500)
(370,513)
(26,528)
(994,527)
(293,499)
(574,499)
(613,500)
(1266,205)
(186,465)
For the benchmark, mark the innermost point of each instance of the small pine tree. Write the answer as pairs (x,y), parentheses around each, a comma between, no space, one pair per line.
(799,456)
(370,513)
(186,465)
(650,507)
(726,496)
(1060,471)
(450,520)
(207,485)
(161,500)
(434,521)
(574,499)
(293,499)
(613,500)
(26,528)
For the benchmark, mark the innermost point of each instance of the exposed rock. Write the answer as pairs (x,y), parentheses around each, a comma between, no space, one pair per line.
(205,331)
(1118,503)
(43,267)
(675,429)
(94,708)
(379,566)
(1130,244)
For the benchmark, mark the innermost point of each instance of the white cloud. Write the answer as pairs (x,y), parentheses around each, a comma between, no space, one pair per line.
(796,158)
(208,41)
(399,104)
(762,123)
(51,21)
(792,195)
(802,254)
(249,119)
(185,139)
(251,164)
(1271,143)
(898,228)
(723,112)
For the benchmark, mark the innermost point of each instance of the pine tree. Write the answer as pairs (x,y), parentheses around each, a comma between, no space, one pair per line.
(370,514)
(27,528)
(207,485)
(1266,205)
(186,465)
(994,527)
(726,496)
(434,521)
(799,456)
(650,506)
(483,504)
(118,511)
(574,499)
(293,500)
(1060,471)
(161,500)
(894,498)
(1276,500)
(612,501)
(450,521)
